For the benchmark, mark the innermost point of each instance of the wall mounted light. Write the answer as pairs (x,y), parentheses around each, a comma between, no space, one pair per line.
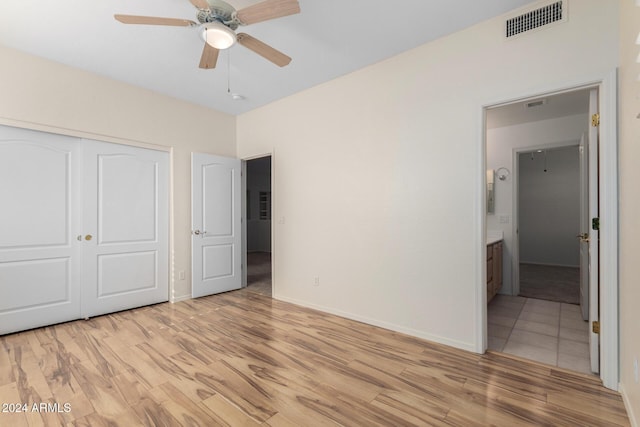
(503,173)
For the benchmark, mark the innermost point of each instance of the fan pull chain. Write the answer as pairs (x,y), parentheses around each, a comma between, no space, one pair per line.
(233,95)
(228,71)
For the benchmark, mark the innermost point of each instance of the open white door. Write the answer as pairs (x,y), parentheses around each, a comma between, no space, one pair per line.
(125,227)
(216,224)
(593,240)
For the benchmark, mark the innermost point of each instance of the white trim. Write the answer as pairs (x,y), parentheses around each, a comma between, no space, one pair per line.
(243,219)
(181,298)
(515,223)
(609,333)
(274,216)
(172,229)
(480,213)
(82,134)
(381,324)
(628,406)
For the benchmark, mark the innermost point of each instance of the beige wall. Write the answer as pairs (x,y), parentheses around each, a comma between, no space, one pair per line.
(629,204)
(377,175)
(43,95)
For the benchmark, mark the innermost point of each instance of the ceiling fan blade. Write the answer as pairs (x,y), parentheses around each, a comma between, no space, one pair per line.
(263,49)
(268,9)
(200,4)
(209,57)
(151,20)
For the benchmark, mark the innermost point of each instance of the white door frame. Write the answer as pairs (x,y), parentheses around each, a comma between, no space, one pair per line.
(608,164)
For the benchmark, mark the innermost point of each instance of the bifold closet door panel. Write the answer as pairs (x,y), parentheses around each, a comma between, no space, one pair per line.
(84,228)
(39,213)
(126,227)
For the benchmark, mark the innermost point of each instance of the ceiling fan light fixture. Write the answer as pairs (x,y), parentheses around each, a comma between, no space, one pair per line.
(218,35)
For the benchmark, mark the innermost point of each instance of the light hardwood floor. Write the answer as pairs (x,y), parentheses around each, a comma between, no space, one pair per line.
(243,359)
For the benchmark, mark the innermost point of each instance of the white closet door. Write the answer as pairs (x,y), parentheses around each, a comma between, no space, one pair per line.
(39,205)
(125,227)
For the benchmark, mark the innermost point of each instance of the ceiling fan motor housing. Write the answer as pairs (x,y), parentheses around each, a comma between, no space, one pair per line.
(221,12)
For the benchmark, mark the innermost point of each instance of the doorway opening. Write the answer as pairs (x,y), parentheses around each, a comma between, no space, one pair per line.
(548,223)
(258,225)
(533,151)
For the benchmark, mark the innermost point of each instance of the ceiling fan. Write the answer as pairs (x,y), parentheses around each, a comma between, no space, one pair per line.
(219,20)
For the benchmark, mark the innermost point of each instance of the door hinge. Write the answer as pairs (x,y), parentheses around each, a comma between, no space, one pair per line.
(595,223)
(595,120)
(595,327)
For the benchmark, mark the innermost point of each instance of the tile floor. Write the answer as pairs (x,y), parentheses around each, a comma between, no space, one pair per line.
(545,331)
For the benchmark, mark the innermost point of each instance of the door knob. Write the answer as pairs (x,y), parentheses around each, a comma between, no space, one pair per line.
(584,237)
(88,237)
(198,232)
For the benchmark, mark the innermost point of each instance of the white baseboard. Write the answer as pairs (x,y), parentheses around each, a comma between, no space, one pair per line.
(627,404)
(180,298)
(390,326)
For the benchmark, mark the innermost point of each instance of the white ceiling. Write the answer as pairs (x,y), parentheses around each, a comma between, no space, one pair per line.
(329,38)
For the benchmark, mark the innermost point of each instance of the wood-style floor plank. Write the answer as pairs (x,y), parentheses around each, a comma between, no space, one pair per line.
(244,359)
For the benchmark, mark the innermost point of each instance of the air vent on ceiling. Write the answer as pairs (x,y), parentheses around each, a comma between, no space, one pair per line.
(536,103)
(536,18)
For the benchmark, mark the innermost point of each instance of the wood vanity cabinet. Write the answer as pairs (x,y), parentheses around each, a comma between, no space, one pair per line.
(494,269)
